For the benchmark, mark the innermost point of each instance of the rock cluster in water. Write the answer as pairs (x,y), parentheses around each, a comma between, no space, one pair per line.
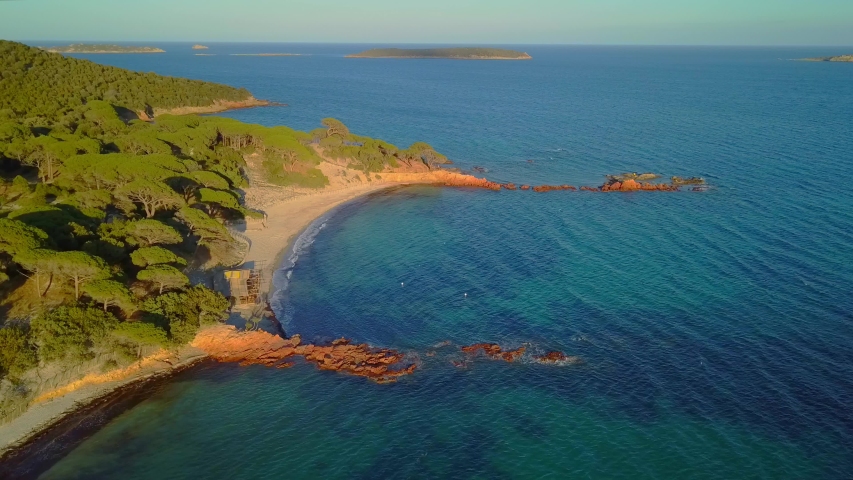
(225,344)
(626,182)
(558,358)
(495,352)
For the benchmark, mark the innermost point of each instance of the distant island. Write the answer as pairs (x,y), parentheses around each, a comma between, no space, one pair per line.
(839,58)
(265,54)
(452,53)
(199,47)
(88,48)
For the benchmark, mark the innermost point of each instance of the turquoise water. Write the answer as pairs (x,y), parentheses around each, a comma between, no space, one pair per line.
(715,326)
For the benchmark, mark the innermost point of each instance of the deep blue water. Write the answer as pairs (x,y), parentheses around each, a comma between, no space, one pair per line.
(716,327)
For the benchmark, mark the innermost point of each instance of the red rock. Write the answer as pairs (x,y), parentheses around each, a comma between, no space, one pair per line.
(225,344)
(525,187)
(509,186)
(630,185)
(557,357)
(494,351)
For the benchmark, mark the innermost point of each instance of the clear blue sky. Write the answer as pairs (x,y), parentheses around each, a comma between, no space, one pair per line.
(715,22)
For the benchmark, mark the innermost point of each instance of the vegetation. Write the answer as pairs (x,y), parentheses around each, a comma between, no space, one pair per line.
(101,212)
(839,58)
(90,48)
(454,53)
(39,88)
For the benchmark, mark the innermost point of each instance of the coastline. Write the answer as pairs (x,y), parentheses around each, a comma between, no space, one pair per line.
(216,107)
(26,432)
(288,218)
(56,413)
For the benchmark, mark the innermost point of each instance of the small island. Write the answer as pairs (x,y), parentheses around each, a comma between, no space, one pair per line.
(199,47)
(89,48)
(839,58)
(451,53)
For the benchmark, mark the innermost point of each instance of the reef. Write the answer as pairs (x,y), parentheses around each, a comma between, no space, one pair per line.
(625,182)
(688,181)
(550,188)
(633,176)
(633,186)
(558,358)
(225,344)
(495,352)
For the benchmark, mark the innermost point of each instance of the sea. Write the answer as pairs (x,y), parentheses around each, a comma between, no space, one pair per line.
(715,327)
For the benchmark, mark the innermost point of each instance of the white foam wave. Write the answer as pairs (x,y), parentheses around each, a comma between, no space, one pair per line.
(282,276)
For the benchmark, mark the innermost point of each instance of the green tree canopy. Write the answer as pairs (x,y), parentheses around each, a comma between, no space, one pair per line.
(80,268)
(42,265)
(17,236)
(17,354)
(109,293)
(184,312)
(164,276)
(71,331)
(153,196)
(150,233)
(147,256)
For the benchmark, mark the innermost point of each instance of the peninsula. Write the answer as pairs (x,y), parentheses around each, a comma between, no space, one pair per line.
(91,48)
(839,58)
(451,53)
(91,305)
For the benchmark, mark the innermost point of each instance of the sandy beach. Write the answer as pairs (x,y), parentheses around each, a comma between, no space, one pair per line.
(288,218)
(289,211)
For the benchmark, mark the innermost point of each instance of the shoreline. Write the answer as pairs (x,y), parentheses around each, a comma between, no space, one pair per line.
(217,107)
(36,431)
(62,412)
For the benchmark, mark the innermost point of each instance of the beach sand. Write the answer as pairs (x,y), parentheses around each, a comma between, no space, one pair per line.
(289,211)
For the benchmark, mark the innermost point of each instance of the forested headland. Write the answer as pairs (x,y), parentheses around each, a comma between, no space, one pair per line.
(838,58)
(38,87)
(463,53)
(103,216)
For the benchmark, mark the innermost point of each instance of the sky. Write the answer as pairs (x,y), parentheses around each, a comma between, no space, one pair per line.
(622,22)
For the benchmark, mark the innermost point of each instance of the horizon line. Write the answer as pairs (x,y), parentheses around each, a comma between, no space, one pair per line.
(554,44)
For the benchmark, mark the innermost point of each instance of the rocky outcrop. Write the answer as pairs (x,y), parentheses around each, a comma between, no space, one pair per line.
(225,344)
(494,351)
(509,186)
(633,186)
(688,181)
(551,188)
(632,176)
(557,358)
(525,187)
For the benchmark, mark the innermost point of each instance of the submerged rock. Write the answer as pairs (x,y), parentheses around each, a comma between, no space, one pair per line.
(553,358)
(688,181)
(495,352)
(549,188)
